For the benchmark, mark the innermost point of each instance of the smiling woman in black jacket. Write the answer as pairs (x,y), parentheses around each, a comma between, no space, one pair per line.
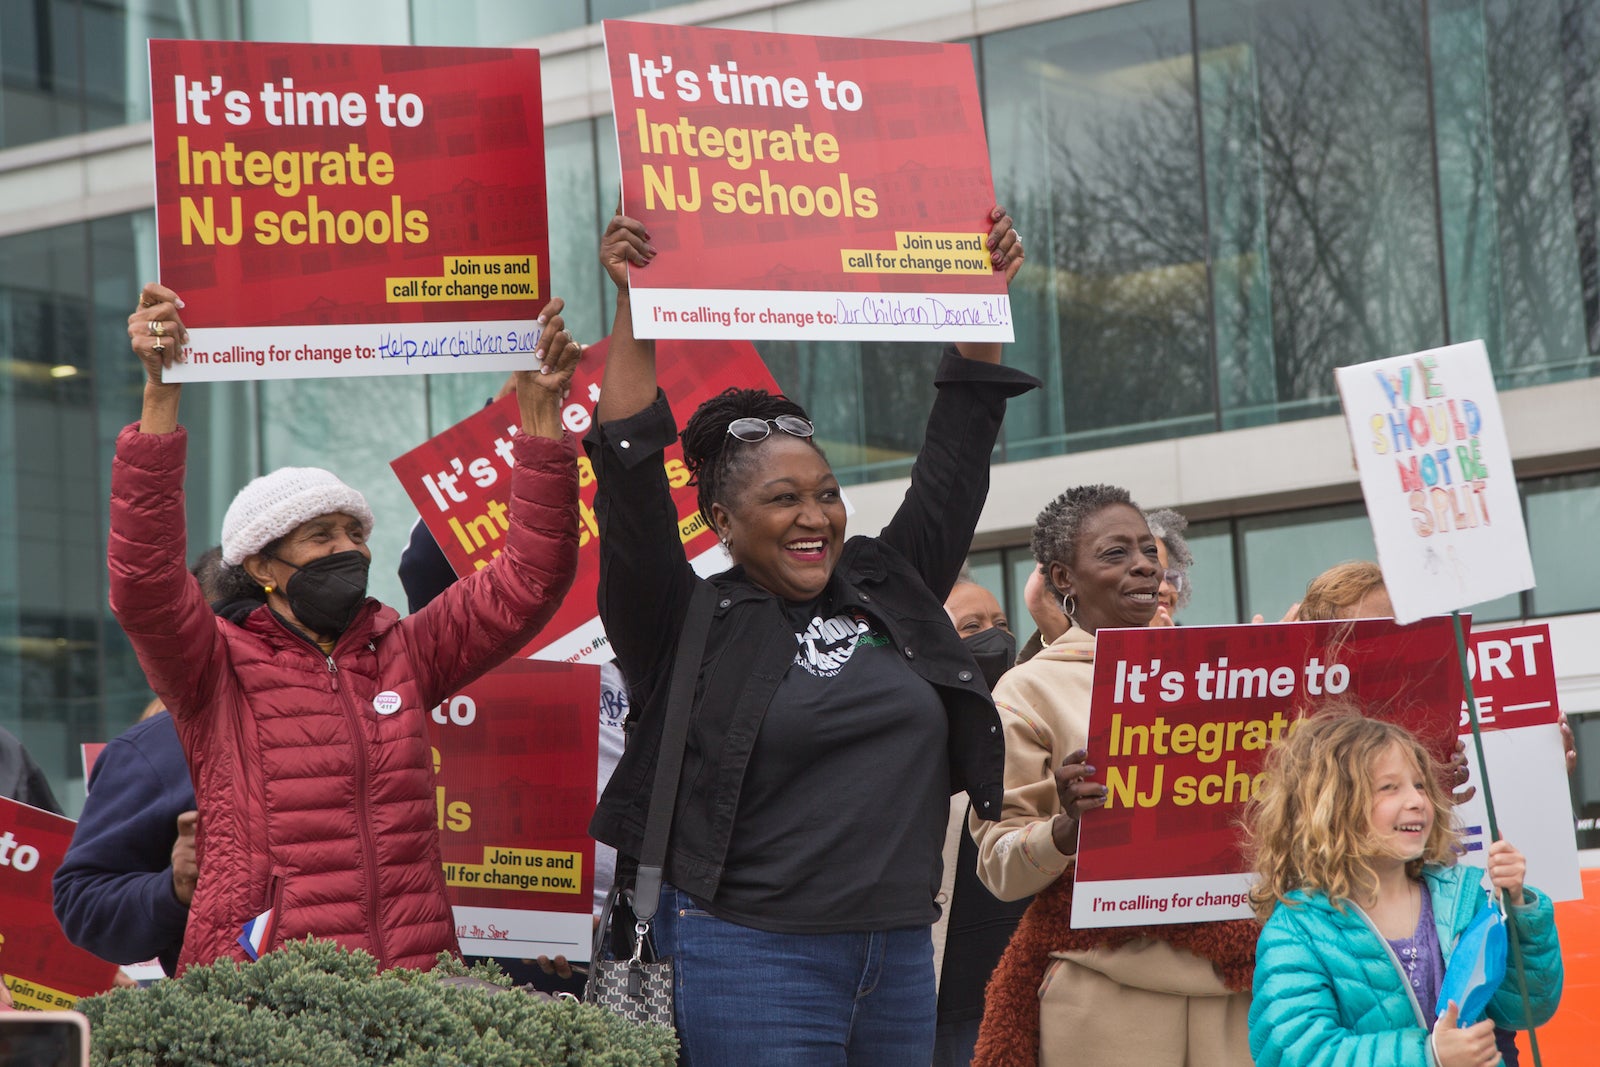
(835,710)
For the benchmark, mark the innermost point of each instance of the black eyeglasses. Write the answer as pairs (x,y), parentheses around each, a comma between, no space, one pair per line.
(752,429)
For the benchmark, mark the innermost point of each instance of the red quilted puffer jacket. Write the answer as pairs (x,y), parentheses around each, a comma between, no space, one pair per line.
(316,799)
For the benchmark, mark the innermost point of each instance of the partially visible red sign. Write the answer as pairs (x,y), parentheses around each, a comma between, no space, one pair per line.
(460,479)
(1513,678)
(350,210)
(43,970)
(515,754)
(91,754)
(1181,721)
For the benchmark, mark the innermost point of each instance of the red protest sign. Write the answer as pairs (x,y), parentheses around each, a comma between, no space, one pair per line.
(805,187)
(515,756)
(348,210)
(1180,722)
(43,970)
(459,479)
(1513,678)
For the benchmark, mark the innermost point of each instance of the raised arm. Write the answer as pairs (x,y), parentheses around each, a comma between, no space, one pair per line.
(1005,252)
(629,383)
(645,578)
(158,336)
(153,595)
(475,624)
(950,480)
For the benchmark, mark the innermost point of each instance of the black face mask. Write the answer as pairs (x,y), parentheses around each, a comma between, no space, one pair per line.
(326,593)
(995,650)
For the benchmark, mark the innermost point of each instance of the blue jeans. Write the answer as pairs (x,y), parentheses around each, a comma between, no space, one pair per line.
(796,1000)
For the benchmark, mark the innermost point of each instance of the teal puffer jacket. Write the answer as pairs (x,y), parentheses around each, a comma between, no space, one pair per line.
(1330,993)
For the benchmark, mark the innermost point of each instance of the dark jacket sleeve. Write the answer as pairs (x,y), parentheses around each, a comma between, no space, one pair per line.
(476,623)
(424,571)
(113,891)
(950,479)
(645,577)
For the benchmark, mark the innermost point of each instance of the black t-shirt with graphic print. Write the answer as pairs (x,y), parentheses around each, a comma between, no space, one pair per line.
(853,723)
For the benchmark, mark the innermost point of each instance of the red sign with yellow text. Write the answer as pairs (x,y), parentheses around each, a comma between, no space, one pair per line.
(349,210)
(1180,723)
(805,187)
(43,970)
(460,481)
(515,755)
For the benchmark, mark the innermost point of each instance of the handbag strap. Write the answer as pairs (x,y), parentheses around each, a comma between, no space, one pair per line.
(669,757)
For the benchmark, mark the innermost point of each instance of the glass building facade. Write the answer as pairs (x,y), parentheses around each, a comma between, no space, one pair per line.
(1223,200)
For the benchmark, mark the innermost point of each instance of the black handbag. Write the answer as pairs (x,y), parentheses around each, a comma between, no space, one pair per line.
(640,988)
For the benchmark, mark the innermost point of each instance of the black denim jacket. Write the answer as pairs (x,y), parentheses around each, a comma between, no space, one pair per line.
(903,576)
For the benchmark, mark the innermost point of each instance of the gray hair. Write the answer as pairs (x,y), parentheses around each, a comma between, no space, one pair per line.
(1055,531)
(1167,526)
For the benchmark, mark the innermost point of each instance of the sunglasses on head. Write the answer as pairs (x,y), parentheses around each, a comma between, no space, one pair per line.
(752,429)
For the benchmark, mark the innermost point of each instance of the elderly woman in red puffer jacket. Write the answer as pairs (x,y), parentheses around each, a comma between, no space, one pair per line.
(302,710)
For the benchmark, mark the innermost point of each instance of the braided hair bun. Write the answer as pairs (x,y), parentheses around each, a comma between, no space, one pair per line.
(713,455)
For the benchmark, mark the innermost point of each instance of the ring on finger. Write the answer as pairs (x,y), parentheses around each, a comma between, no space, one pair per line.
(158,327)
(159,347)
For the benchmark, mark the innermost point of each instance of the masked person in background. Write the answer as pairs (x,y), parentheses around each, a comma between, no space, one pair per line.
(973,930)
(302,713)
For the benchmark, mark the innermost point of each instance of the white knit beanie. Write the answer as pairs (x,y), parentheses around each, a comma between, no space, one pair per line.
(274,504)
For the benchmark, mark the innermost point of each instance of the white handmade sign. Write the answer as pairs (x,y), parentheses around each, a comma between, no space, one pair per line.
(1435,469)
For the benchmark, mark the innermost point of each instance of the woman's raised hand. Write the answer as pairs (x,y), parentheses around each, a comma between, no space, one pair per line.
(1077,795)
(1005,244)
(625,242)
(155,332)
(540,391)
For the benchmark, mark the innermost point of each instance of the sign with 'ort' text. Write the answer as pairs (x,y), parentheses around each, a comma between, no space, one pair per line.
(1436,473)
(816,188)
(1180,722)
(1514,683)
(348,210)
(460,481)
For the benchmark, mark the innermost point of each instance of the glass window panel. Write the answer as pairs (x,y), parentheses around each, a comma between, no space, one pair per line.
(1020,566)
(1320,194)
(1092,129)
(621,9)
(348,22)
(1283,552)
(1585,781)
(1517,98)
(490,22)
(1212,577)
(1563,513)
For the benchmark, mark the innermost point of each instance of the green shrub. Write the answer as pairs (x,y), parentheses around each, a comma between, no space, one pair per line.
(315,1004)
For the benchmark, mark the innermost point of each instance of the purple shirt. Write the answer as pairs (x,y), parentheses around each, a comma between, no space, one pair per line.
(1422,960)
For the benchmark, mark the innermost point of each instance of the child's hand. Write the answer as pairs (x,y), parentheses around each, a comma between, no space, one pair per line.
(1458,1046)
(1507,869)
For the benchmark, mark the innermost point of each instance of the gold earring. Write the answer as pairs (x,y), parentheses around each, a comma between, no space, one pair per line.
(267,589)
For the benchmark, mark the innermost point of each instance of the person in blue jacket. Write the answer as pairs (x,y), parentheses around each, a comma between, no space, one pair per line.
(1363,903)
(123,890)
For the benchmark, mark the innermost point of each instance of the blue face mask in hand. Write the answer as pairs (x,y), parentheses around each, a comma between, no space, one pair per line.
(326,593)
(995,650)
(1477,967)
